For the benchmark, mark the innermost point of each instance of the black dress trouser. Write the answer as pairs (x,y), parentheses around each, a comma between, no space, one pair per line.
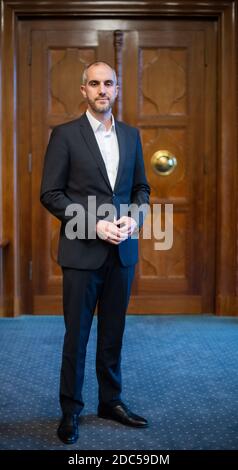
(110,286)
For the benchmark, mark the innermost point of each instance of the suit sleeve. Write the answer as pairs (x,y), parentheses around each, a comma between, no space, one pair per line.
(140,196)
(54,181)
(55,175)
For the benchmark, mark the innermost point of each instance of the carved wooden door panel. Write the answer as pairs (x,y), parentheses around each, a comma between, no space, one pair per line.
(58,60)
(171,99)
(167,74)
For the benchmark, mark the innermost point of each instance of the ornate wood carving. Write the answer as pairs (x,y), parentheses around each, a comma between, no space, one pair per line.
(170,88)
(118,43)
(66,71)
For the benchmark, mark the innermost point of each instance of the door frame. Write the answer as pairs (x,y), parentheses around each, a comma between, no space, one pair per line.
(11,230)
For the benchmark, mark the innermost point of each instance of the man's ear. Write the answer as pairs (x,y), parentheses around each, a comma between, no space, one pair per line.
(82,89)
(117,90)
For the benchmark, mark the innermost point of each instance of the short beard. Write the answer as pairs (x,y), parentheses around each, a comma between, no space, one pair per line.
(101,108)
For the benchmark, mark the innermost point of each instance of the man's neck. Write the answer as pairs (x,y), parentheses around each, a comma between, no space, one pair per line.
(104,118)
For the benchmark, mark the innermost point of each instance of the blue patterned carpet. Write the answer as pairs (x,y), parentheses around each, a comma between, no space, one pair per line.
(180,372)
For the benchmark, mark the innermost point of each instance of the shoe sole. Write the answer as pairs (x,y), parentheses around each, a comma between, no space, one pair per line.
(121,422)
(67,442)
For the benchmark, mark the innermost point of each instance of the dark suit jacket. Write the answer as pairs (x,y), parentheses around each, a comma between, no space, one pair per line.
(74,169)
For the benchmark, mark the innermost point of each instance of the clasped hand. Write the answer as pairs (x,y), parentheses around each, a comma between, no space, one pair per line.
(117,231)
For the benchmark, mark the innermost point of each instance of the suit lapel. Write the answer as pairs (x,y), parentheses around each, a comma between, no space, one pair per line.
(122,151)
(92,144)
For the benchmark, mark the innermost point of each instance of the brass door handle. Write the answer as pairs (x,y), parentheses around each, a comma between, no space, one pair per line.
(163,162)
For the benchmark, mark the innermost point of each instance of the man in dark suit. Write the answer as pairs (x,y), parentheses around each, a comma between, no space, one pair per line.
(91,162)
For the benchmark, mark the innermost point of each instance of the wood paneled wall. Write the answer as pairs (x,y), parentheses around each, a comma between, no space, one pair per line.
(225,14)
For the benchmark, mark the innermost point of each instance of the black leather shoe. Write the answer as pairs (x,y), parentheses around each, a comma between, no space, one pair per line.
(121,414)
(68,429)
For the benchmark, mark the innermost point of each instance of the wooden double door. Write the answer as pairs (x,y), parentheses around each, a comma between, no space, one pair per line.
(167,78)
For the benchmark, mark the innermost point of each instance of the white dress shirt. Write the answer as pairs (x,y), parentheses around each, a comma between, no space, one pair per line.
(108,145)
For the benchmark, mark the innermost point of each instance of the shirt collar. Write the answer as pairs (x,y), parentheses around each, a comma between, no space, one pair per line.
(96,124)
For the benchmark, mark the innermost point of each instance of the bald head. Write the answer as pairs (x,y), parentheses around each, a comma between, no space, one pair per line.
(95,65)
(99,89)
